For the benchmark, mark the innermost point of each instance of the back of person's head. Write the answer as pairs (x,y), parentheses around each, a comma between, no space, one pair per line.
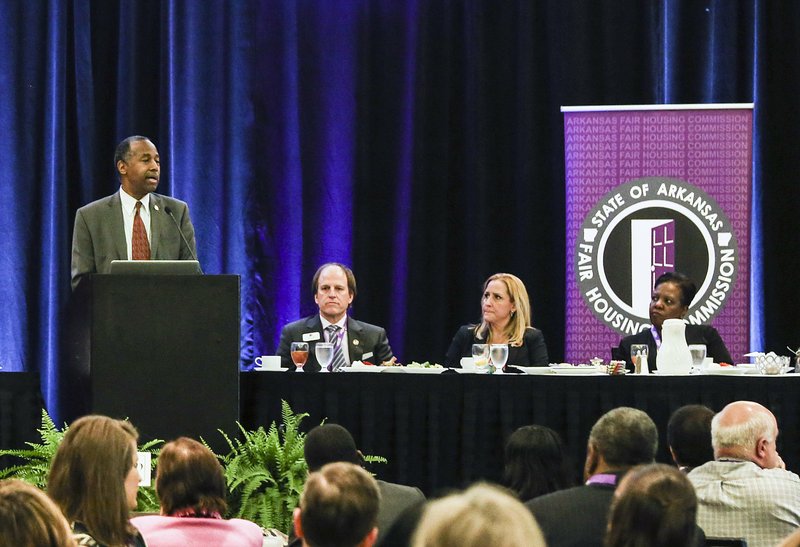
(689,435)
(87,476)
(535,462)
(338,507)
(481,515)
(329,443)
(190,480)
(28,518)
(737,429)
(625,437)
(654,505)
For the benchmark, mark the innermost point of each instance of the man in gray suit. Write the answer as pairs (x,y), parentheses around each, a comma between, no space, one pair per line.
(334,287)
(134,223)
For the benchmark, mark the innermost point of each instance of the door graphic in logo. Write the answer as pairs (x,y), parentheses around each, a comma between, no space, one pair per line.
(652,254)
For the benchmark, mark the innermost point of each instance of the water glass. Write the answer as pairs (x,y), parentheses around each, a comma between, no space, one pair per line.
(698,352)
(499,355)
(323,351)
(480,356)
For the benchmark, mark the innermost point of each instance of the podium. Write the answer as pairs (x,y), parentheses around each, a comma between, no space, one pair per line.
(160,350)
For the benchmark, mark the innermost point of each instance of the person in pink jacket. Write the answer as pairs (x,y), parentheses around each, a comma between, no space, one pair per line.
(191,488)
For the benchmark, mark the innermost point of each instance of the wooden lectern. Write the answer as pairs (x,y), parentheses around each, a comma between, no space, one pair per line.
(160,350)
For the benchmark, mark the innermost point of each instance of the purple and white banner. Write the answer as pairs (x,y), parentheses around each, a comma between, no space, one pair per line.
(653,189)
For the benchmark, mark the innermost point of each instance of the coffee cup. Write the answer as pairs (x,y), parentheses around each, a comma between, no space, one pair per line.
(468,363)
(268,362)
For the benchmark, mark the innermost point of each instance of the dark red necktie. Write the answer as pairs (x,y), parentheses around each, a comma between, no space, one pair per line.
(140,247)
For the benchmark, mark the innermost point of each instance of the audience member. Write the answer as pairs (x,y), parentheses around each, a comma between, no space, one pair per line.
(28,518)
(791,541)
(746,492)
(94,481)
(190,483)
(338,508)
(535,462)
(330,443)
(689,436)
(654,505)
(334,288)
(482,515)
(673,293)
(577,516)
(402,529)
(505,319)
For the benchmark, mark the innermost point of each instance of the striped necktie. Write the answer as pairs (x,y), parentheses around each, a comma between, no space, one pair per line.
(335,337)
(140,247)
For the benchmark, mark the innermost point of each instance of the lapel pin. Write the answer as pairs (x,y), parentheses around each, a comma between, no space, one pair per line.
(355,342)
(156,207)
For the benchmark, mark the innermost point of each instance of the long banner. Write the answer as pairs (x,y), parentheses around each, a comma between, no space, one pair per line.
(652,189)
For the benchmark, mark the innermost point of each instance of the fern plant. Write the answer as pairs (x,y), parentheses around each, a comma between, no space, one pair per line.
(36,459)
(266,470)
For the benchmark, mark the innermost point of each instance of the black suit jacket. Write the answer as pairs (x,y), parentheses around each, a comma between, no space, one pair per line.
(695,334)
(99,234)
(365,342)
(575,517)
(532,352)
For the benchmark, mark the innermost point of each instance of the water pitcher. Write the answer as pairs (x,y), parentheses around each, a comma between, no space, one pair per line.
(673,355)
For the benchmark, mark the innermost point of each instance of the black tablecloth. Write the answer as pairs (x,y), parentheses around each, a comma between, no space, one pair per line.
(441,431)
(20,409)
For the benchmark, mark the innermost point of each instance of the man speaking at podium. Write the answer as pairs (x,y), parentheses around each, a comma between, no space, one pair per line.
(134,223)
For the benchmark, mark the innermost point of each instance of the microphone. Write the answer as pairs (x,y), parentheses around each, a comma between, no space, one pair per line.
(183,237)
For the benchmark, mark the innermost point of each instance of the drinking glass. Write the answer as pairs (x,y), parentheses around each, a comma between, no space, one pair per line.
(324,354)
(499,355)
(698,352)
(299,354)
(639,354)
(480,356)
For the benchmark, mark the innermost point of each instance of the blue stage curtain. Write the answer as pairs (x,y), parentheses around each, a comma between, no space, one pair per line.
(419,141)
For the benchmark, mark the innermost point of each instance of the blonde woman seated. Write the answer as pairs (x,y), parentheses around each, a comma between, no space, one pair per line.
(482,515)
(191,488)
(94,481)
(28,518)
(506,319)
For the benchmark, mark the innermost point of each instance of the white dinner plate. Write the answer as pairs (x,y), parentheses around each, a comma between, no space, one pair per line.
(421,370)
(578,371)
(724,371)
(536,370)
(365,368)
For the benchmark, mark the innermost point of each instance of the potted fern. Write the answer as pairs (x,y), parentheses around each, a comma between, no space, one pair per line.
(265,471)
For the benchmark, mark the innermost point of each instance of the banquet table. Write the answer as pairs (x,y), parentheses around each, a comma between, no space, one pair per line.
(447,430)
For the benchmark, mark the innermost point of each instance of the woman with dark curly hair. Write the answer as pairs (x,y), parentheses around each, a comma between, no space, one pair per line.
(535,462)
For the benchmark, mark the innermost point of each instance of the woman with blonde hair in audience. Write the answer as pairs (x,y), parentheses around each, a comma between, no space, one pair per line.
(28,518)
(655,506)
(94,481)
(191,487)
(481,515)
(505,319)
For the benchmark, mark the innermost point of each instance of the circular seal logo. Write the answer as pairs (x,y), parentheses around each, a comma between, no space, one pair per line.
(642,229)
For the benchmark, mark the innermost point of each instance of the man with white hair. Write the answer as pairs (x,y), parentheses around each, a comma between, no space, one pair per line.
(746,491)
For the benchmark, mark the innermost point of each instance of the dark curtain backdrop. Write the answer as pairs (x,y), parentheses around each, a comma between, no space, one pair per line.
(418,140)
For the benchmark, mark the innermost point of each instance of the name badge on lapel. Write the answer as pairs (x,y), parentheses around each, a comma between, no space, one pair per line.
(310,336)
(367,355)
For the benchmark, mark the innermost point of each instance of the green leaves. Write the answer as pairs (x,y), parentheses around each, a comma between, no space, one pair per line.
(266,470)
